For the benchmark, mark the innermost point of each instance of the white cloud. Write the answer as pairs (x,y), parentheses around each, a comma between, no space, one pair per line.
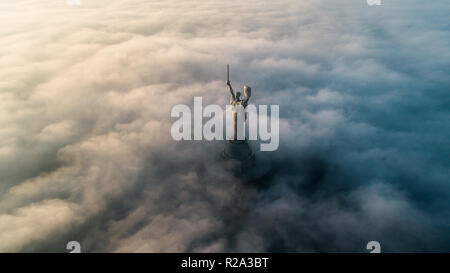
(85,147)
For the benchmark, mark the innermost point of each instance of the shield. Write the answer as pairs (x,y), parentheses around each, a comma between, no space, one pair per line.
(247,92)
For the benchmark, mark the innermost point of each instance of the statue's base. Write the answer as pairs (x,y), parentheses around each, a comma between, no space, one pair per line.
(238,157)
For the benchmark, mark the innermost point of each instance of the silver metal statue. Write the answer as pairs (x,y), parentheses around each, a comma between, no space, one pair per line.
(237,155)
(236,100)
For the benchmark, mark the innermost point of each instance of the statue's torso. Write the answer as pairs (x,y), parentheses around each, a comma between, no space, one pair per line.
(238,102)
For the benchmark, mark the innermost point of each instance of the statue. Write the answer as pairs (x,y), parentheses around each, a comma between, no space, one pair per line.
(238,152)
(236,100)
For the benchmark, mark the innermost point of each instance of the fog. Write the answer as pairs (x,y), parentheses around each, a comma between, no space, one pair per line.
(86,152)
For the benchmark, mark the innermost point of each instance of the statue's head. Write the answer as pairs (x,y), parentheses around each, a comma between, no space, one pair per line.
(238,95)
(247,88)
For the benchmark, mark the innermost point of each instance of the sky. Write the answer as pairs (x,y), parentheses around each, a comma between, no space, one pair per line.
(86,152)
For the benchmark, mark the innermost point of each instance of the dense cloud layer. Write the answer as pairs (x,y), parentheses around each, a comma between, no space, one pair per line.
(85,146)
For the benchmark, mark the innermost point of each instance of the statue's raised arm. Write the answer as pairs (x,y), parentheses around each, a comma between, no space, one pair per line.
(230,89)
(233,97)
(247,93)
